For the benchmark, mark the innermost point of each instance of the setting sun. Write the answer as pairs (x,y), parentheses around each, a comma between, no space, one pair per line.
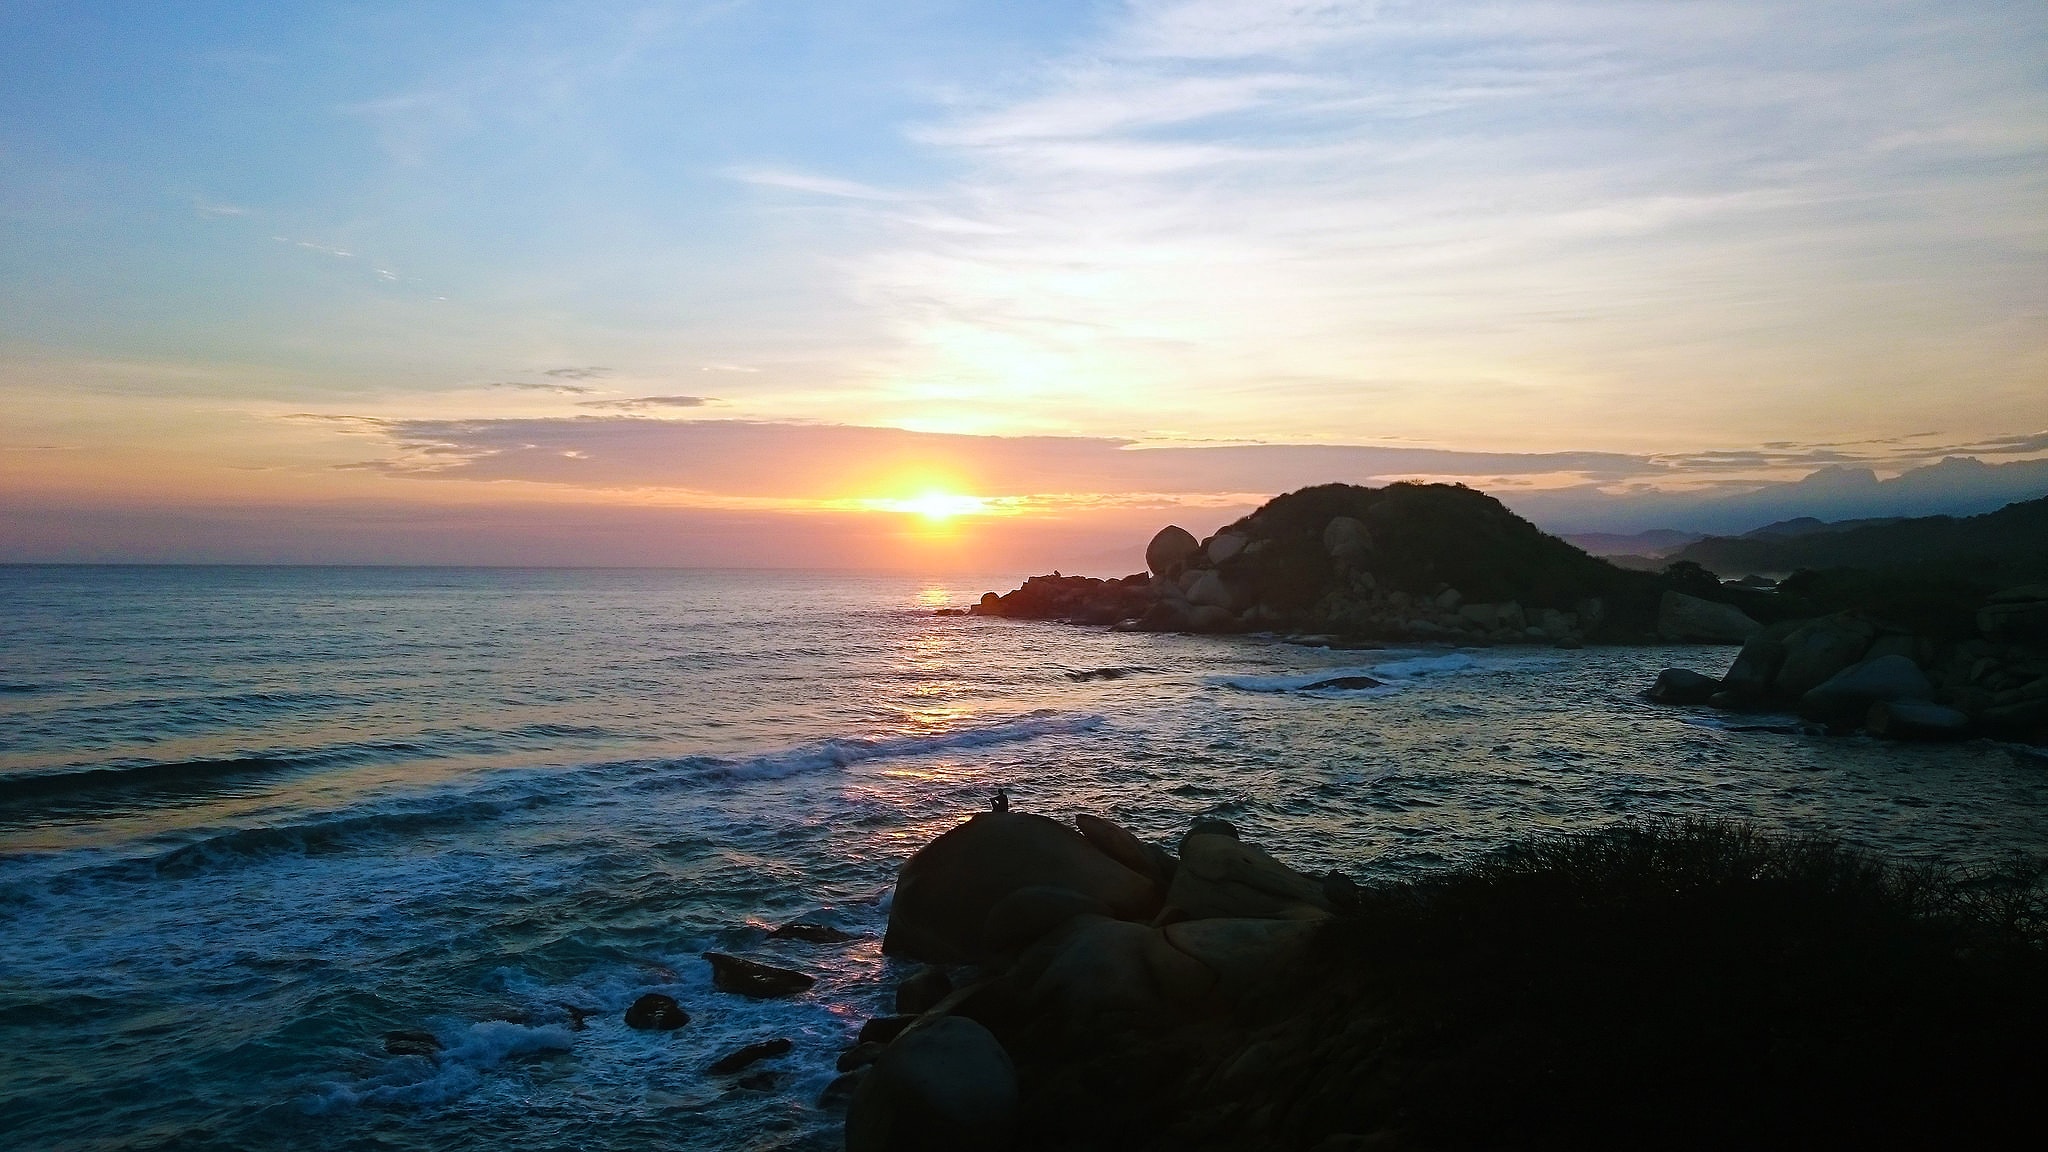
(939,506)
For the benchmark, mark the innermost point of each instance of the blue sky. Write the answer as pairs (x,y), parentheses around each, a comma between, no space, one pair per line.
(284,254)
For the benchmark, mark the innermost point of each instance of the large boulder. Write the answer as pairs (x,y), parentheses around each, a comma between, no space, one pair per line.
(1845,698)
(1817,650)
(1171,550)
(2016,614)
(1209,590)
(1220,876)
(1756,666)
(1245,954)
(1225,546)
(1029,913)
(1095,970)
(1147,860)
(1346,539)
(945,891)
(944,1085)
(1691,619)
(754,979)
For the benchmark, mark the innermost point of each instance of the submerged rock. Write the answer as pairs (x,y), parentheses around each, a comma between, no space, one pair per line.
(946,1085)
(754,979)
(946,890)
(811,933)
(753,1053)
(657,1013)
(411,1042)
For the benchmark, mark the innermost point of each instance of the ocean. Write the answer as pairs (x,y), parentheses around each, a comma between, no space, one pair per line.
(253,819)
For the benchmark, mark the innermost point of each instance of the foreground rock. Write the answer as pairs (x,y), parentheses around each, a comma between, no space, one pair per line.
(946,892)
(947,1084)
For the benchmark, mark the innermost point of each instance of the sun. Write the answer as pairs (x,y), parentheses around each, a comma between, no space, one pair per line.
(939,506)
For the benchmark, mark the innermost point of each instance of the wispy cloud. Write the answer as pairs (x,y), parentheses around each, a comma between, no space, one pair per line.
(814,184)
(576,373)
(642,403)
(563,389)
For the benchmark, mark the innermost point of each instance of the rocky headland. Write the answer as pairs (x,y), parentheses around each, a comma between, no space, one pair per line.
(1403,563)
(1931,639)
(1645,986)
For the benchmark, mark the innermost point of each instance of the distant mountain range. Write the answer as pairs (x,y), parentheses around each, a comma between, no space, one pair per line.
(1957,486)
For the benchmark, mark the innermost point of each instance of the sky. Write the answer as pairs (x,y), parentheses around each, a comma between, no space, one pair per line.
(1001,285)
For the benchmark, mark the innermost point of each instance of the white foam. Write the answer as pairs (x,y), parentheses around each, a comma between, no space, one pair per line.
(421,1081)
(839,753)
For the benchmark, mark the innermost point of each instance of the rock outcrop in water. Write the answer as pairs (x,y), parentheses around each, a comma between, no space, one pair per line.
(1688,986)
(1407,562)
(1894,673)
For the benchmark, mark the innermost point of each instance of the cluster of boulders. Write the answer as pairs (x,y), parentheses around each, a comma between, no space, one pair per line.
(1042,938)
(740,976)
(1849,671)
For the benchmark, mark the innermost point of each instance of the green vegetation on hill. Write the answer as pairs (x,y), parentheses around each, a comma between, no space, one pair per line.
(1997,549)
(1425,537)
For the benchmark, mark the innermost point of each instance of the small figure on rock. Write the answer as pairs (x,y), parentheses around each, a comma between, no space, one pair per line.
(1001,802)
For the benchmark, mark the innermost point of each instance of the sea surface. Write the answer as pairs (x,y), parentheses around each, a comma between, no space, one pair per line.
(252,819)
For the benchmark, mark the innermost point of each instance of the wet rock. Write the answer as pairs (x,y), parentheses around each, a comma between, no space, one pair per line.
(1916,720)
(921,990)
(945,891)
(656,1013)
(841,1089)
(883,1029)
(1029,913)
(762,1081)
(811,933)
(1221,877)
(946,1085)
(1689,618)
(1845,698)
(733,1062)
(859,1056)
(1170,550)
(411,1042)
(1683,686)
(754,979)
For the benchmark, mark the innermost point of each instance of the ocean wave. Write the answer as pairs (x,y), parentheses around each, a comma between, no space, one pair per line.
(329,833)
(843,752)
(152,775)
(423,1081)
